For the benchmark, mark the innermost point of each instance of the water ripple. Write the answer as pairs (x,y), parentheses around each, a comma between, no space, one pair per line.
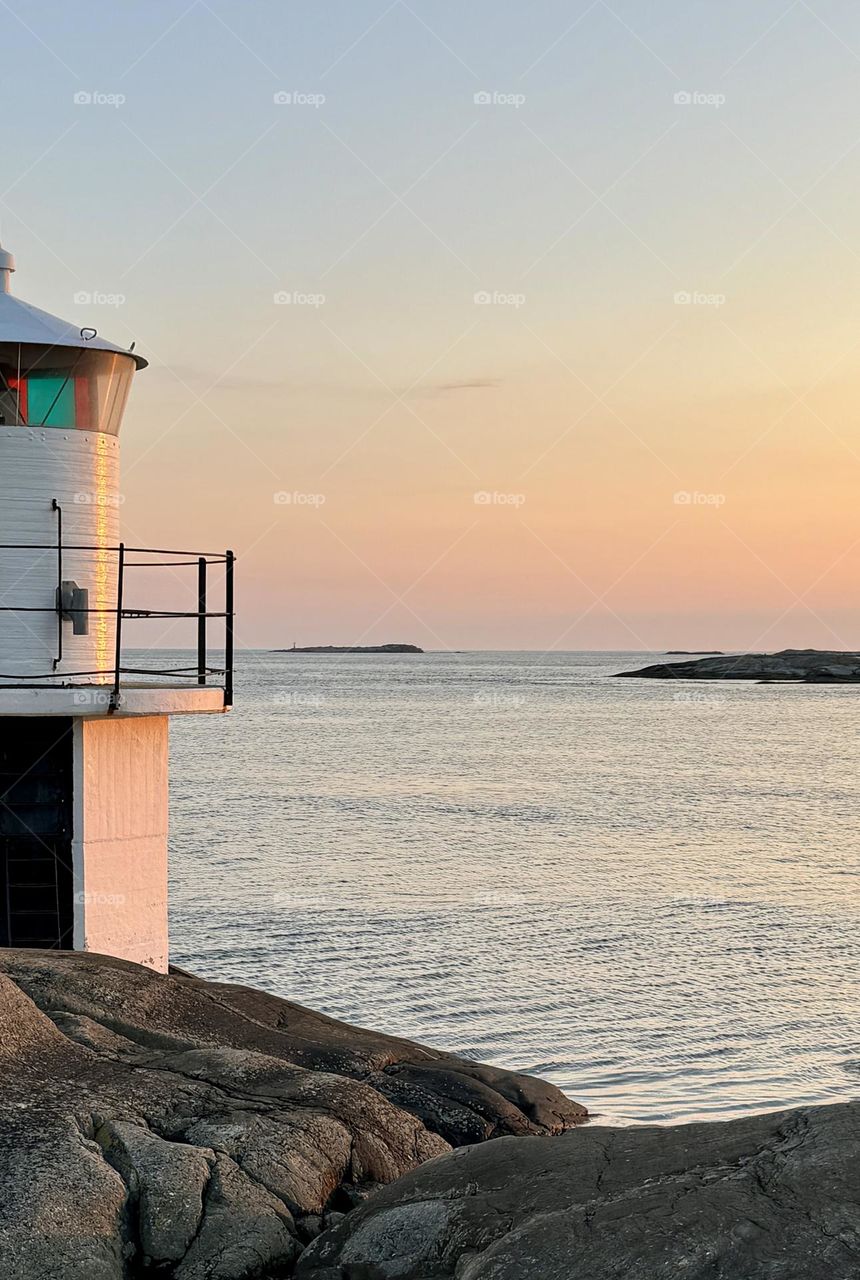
(516,858)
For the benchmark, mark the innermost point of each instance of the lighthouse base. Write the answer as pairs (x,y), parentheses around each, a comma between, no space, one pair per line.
(83,835)
(119,846)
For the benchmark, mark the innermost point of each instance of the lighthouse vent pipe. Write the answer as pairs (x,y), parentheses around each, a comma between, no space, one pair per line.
(7,266)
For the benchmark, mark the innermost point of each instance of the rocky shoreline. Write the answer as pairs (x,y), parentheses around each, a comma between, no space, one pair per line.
(772,1197)
(806,666)
(164,1126)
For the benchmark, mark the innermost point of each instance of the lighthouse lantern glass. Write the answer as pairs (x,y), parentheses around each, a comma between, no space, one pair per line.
(64,388)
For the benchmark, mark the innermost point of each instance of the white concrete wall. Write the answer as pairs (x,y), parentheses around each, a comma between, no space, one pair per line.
(120,838)
(81,470)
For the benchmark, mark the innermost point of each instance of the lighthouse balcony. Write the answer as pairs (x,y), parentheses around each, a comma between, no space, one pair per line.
(84,630)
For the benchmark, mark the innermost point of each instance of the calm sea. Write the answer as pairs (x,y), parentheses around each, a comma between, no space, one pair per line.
(647,892)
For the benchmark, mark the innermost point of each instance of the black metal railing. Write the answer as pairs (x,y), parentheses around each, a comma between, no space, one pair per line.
(201,672)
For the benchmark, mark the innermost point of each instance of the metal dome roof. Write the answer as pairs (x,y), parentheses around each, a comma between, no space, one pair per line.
(21,322)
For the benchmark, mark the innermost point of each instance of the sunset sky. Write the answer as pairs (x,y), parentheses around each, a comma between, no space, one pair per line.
(658,403)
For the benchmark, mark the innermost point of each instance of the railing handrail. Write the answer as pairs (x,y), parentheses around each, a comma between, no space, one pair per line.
(211,557)
(126,613)
(109,671)
(201,560)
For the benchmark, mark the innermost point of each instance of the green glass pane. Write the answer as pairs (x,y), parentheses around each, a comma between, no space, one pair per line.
(50,400)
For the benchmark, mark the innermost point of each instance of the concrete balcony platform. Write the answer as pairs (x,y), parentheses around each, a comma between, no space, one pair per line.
(92,701)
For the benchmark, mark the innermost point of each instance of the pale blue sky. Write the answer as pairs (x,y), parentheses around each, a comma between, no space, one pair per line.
(597,200)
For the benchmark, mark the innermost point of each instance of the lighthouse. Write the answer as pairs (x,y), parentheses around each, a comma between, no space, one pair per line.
(84,727)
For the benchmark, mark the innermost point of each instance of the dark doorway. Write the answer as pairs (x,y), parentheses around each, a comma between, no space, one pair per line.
(36,880)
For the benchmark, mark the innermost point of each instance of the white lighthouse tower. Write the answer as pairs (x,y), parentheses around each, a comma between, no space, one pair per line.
(84,732)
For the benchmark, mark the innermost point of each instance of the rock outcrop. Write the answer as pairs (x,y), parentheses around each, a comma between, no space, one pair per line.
(167,1126)
(359,648)
(766,1198)
(809,666)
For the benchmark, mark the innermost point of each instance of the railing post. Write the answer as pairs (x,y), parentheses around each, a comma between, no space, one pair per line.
(201,620)
(114,697)
(228,642)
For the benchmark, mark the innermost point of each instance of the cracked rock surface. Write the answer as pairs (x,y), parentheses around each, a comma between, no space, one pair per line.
(762,1198)
(164,1126)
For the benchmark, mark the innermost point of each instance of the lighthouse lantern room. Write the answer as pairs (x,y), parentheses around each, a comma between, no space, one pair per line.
(84,735)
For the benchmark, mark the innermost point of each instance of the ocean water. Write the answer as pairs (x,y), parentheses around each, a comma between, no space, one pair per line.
(647,892)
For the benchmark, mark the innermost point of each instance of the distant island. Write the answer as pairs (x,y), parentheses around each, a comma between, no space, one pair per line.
(348,648)
(692,653)
(805,666)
